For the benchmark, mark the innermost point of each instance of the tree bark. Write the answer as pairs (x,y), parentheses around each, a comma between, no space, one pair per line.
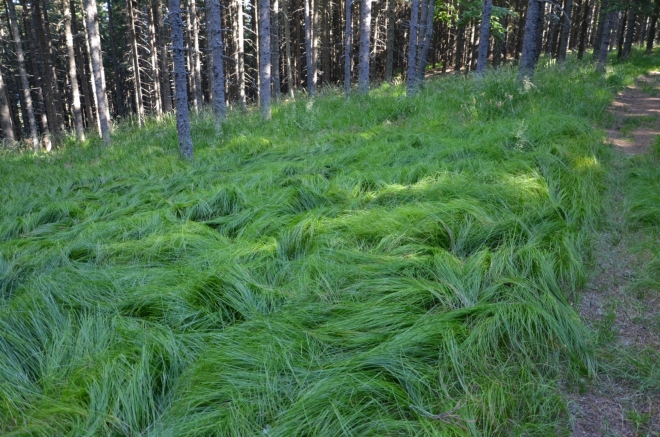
(94,39)
(73,74)
(630,31)
(6,123)
(565,31)
(83,65)
(650,38)
(264,59)
(348,42)
(275,49)
(484,37)
(240,56)
(25,83)
(181,92)
(424,42)
(605,42)
(583,28)
(287,43)
(530,46)
(118,88)
(365,35)
(165,85)
(155,69)
(389,47)
(135,59)
(412,78)
(311,73)
(196,62)
(214,23)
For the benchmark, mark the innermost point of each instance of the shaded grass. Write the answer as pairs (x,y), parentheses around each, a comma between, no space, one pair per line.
(378,266)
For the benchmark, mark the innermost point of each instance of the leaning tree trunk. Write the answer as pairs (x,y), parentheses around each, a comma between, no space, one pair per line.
(214,23)
(412,78)
(565,31)
(529,47)
(181,92)
(287,43)
(73,75)
(25,83)
(389,46)
(605,41)
(365,35)
(311,74)
(264,59)
(6,123)
(484,37)
(348,37)
(91,14)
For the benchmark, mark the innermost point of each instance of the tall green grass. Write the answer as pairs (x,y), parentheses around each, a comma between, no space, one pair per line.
(378,266)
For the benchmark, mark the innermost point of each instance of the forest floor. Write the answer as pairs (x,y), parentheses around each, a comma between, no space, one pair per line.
(622,311)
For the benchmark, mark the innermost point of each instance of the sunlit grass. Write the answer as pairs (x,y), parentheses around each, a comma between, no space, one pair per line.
(377,266)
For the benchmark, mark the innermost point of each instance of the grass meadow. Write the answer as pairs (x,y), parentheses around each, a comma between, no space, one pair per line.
(381,266)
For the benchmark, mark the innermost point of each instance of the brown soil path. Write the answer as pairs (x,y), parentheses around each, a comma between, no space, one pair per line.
(611,406)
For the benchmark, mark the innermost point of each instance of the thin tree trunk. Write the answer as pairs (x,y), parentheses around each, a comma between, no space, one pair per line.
(118,88)
(48,76)
(135,58)
(584,28)
(25,83)
(365,35)
(484,37)
(214,23)
(412,78)
(240,56)
(73,75)
(311,74)
(348,42)
(180,87)
(605,42)
(196,62)
(530,46)
(389,57)
(155,70)
(630,31)
(91,14)
(264,59)
(165,85)
(287,43)
(565,31)
(275,49)
(83,66)
(6,123)
(424,42)
(654,21)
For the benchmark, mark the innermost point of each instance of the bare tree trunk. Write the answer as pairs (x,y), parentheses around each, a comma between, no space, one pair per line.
(264,59)
(484,37)
(73,75)
(287,43)
(365,36)
(584,27)
(605,42)
(412,79)
(214,23)
(389,57)
(25,83)
(91,14)
(651,35)
(424,42)
(6,123)
(81,55)
(565,31)
(240,55)
(630,31)
(155,70)
(135,58)
(348,41)
(118,88)
(165,86)
(196,63)
(311,73)
(275,49)
(530,46)
(90,69)
(178,53)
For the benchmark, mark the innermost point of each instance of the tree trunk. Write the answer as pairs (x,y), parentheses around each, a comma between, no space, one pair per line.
(91,14)
(287,43)
(424,42)
(264,59)
(654,21)
(630,31)
(389,57)
(412,78)
(118,88)
(484,37)
(365,35)
(83,65)
(135,59)
(605,42)
(348,41)
(155,70)
(275,50)
(181,92)
(240,55)
(583,28)
(165,85)
(196,63)
(214,23)
(25,84)
(6,124)
(73,74)
(539,32)
(311,74)
(530,46)
(565,31)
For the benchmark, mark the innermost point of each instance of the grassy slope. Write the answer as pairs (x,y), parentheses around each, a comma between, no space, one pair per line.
(351,268)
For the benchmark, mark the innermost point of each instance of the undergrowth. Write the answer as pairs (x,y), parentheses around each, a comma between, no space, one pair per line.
(377,266)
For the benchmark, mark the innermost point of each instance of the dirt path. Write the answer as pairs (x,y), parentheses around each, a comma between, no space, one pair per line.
(620,315)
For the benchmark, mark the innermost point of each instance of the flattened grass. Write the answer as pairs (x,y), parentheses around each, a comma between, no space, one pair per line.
(377,266)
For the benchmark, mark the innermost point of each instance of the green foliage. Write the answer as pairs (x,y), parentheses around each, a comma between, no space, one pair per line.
(377,266)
